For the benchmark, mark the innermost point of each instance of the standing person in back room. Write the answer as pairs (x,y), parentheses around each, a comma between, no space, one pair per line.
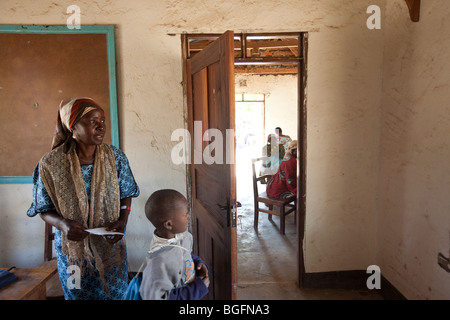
(285,140)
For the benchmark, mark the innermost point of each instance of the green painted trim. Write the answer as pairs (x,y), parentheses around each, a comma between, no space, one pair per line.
(60,29)
(18,179)
(111,54)
(111,46)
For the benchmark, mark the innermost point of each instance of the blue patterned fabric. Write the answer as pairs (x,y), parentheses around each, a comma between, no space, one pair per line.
(90,287)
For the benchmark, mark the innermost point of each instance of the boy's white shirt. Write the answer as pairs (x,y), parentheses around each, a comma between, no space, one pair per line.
(158,242)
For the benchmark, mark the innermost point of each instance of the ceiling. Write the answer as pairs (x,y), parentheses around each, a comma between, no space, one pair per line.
(264,54)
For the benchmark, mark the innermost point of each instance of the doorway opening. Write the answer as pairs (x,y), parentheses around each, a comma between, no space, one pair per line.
(264,64)
(267,260)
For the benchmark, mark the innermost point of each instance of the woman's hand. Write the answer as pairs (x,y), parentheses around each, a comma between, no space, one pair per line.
(73,230)
(118,226)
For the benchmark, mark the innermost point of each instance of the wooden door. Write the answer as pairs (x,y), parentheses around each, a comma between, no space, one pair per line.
(210,80)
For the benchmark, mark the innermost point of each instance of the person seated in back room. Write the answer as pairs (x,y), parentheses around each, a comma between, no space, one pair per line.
(283,183)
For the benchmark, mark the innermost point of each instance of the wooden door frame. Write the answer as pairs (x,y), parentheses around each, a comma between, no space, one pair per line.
(301,138)
(301,164)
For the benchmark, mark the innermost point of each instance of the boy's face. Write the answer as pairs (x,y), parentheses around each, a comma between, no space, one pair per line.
(180,220)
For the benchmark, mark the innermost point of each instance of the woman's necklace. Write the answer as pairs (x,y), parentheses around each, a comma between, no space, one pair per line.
(86,157)
(86,161)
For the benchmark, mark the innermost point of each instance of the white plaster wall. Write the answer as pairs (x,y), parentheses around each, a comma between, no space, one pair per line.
(414,215)
(280,100)
(344,86)
(344,90)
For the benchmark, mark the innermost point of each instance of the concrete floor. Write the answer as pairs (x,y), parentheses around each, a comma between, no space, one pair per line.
(267,261)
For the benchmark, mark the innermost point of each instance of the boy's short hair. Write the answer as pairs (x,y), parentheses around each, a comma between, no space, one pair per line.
(162,204)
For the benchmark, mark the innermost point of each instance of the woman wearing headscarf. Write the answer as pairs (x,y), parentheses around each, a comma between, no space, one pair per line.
(283,184)
(283,139)
(83,184)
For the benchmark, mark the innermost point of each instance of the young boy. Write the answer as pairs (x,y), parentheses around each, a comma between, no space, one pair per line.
(172,272)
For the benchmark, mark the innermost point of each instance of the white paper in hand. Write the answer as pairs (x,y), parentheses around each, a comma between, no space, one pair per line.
(103,232)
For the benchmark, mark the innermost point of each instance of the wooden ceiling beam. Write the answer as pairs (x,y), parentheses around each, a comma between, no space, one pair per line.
(294,50)
(265,70)
(288,43)
(199,46)
(272,44)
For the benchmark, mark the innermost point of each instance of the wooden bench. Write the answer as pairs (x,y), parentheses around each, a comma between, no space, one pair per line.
(30,286)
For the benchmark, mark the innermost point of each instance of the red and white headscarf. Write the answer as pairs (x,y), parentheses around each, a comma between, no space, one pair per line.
(69,113)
